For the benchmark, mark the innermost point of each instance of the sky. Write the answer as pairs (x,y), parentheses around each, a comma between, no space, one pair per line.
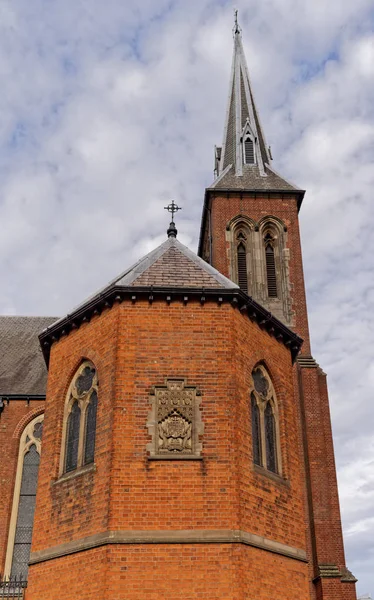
(108,110)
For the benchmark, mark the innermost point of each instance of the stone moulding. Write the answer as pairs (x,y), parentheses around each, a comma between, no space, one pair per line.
(175,423)
(189,536)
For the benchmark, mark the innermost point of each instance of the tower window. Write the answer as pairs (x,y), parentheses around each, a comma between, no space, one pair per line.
(242,267)
(79,430)
(265,426)
(271,275)
(249,151)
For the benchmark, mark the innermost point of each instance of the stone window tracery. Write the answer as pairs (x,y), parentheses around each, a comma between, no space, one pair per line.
(265,422)
(79,428)
(22,517)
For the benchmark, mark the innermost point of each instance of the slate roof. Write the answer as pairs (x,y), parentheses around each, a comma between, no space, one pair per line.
(252,180)
(22,367)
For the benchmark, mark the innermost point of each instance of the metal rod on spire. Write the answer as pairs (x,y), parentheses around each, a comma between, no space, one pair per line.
(236,23)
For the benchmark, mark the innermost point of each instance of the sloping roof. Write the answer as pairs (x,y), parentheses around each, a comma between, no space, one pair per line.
(252,180)
(22,366)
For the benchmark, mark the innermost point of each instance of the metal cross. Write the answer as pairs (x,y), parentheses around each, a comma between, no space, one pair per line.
(172,208)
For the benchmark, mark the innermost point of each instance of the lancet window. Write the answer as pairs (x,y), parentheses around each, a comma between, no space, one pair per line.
(265,422)
(22,517)
(242,266)
(271,273)
(249,151)
(79,430)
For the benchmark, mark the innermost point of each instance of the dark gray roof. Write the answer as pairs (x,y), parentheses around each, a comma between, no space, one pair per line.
(22,366)
(252,180)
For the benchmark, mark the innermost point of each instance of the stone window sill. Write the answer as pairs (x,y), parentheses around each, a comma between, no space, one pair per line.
(77,473)
(270,475)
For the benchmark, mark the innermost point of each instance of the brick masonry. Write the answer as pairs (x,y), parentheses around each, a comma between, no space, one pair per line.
(321,501)
(136,346)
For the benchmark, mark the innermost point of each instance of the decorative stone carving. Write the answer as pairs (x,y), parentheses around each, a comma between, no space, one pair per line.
(175,421)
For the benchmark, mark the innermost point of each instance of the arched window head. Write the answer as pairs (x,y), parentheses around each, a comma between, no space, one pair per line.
(265,424)
(22,516)
(271,274)
(249,150)
(79,427)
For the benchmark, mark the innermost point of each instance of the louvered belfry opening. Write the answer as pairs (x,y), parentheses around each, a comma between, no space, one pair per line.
(270,267)
(242,268)
(249,151)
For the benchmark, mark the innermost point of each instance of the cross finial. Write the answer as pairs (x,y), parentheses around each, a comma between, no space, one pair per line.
(172,208)
(236,24)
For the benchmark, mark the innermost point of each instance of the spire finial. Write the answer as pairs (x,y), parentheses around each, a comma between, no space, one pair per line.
(172,208)
(236,23)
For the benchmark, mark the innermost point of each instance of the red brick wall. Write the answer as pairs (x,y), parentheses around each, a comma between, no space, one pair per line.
(314,438)
(14,418)
(225,207)
(135,347)
(168,572)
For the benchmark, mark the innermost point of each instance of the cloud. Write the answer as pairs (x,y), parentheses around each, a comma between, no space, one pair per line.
(110,110)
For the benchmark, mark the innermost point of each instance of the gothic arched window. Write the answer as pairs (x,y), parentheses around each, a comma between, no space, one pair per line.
(256,431)
(271,274)
(265,424)
(249,151)
(79,430)
(242,267)
(22,517)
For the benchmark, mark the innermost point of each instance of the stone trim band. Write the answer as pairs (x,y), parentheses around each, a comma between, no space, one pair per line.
(189,536)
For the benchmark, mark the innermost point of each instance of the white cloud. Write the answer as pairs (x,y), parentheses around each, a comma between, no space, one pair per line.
(109,110)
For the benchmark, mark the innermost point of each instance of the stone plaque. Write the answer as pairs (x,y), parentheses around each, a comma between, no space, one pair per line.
(175,421)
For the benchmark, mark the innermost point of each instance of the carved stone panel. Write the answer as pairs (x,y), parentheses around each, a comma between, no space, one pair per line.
(175,421)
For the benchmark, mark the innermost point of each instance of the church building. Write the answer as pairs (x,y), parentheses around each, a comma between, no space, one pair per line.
(170,438)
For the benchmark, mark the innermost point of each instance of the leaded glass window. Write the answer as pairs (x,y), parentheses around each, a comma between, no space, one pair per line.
(89,450)
(80,417)
(256,431)
(271,450)
(22,517)
(265,423)
(25,517)
(72,440)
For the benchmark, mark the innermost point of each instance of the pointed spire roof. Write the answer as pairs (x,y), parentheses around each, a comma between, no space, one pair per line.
(235,170)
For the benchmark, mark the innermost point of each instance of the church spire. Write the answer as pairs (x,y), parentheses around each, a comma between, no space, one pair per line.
(244,143)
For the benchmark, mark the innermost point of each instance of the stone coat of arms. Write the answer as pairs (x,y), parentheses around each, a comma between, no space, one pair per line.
(175,421)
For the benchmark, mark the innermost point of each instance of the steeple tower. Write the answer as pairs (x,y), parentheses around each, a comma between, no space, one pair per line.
(244,142)
(249,208)
(244,157)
